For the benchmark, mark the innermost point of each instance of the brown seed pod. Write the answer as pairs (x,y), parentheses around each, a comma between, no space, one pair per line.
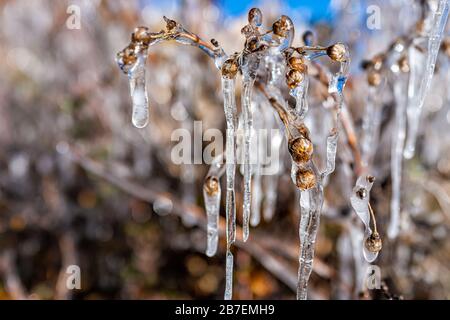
(374,243)
(281,27)
(211,186)
(301,149)
(294,78)
(230,68)
(377,61)
(128,55)
(361,193)
(446,47)
(170,24)
(303,130)
(252,45)
(255,17)
(298,63)
(403,64)
(305,179)
(337,52)
(141,34)
(373,78)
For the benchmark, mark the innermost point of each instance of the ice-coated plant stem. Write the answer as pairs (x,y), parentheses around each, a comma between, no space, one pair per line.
(421,73)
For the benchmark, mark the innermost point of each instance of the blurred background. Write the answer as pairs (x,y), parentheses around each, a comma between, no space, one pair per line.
(80,185)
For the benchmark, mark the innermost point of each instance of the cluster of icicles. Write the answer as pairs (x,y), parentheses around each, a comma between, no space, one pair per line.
(267,62)
(407,67)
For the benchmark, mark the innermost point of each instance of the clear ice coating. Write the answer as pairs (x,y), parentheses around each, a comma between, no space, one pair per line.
(311,201)
(211,195)
(229,104)
(138,92)
(360,202)
(301,102)
(259,46)
(256,198)
(422,69)
(398,142)
(228,276)
(371,125)
(332,141)
(248,126)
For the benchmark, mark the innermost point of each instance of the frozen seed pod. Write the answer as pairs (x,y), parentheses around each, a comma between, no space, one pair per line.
(305,178)
(298,64)
(255,17)
(338,52)
(211,186)
(374,78)
(141,35)
(230,68)
(294,78)
(282,26)
(127,58)
(301,149)
(374,243)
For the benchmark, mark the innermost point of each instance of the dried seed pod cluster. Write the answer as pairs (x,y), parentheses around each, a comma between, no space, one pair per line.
(262,51)
(297,71)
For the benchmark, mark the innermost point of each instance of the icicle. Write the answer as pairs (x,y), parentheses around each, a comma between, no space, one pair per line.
(248,126)
(371,126)
(332,140)
(211,194)
(397,154)
(360,203)
(229,275)
(311,205)
(422,69)
(256,197)
(138,92)
(230,115)
(271,180)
